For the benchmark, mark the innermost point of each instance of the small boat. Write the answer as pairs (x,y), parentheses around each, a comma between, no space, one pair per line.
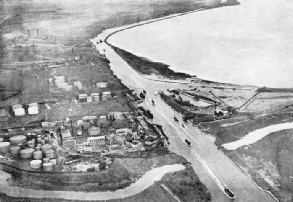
(175,119)
(182,126)
(153,102)
(229,193)
(187,142)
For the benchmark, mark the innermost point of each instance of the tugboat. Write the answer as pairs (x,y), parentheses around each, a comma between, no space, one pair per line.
(187,142)
(175,119)
(229,193)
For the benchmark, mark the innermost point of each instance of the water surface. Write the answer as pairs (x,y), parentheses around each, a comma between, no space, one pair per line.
(247,44)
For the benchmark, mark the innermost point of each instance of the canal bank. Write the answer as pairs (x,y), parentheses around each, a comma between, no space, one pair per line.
(244,189)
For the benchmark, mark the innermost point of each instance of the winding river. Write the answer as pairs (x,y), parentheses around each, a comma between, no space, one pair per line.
(257,135)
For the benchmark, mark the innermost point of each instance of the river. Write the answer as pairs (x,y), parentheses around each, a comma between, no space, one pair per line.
(257,135)
(140,185)
(246,44)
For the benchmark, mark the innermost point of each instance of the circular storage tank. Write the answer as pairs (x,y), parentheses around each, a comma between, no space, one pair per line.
(27,153)
(18,139)
(4,147)
(94,131)
(120,124)
(14,150)
(89,99)
(102,85)
(54,161)
(48,166)
(50,154)
(35,164)
(33,110)
(38,155)
(96,98)
(19,112)
(46,147)
(104,123)
(46,160)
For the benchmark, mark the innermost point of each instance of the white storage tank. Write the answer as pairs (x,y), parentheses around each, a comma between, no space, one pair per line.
(48,166)
(95,94)
(35,164)
(27,153)
(89,99)
(14,150)
(18,139)
(46,147)
(38,155)
(33,110)
(96,98)
(106,95)
(59,78)
(19,112)
(82,97)
(50,154)
(94,131)
(4,147)
(102,85)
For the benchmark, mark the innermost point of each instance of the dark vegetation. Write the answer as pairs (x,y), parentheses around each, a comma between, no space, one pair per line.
(188,187)
(145,66)
(116,177)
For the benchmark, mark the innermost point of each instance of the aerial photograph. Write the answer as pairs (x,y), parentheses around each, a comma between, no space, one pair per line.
(146,101)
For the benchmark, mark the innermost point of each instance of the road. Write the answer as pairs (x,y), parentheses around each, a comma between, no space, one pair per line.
(213,167)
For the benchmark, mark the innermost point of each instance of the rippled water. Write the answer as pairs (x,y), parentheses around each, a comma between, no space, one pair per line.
(247,44)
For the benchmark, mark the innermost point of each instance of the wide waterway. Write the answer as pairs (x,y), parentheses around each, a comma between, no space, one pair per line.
(215,170)
(250,43)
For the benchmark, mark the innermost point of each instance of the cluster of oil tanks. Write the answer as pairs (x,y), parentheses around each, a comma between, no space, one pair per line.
(40,149)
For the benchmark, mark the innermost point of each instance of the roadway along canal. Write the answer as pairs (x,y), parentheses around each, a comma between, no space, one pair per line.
(212,166)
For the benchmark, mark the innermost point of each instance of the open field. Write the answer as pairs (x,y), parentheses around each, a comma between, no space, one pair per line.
(268,161)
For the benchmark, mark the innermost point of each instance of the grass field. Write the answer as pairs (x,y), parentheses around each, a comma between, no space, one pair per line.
(268,161)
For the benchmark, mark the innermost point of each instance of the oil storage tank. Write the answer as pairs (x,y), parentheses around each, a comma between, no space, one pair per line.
(18,139)
(27,153)
(4,147)
(94,131)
